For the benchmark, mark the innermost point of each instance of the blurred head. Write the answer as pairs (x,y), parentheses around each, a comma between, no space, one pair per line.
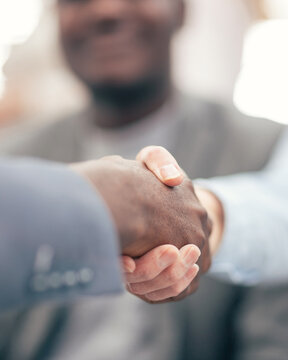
(118,44)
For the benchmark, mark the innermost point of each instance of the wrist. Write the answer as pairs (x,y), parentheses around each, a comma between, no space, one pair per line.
(216,214)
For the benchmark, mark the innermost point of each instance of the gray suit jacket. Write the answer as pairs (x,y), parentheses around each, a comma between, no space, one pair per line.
(57,240)
(208,140)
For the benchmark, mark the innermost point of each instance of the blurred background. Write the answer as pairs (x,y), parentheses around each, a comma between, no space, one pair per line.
(228,49)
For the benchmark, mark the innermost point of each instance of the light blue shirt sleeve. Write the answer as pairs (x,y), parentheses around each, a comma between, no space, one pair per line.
(255,243)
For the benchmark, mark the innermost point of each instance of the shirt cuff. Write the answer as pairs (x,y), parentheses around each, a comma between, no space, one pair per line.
(232,260)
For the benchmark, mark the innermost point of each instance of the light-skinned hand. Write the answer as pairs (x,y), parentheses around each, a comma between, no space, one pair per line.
(145,278)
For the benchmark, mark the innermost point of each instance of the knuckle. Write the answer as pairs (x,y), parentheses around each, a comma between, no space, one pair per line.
(137,289)
(192,288)
(133,288)
(152,297)
(173,275)
(177,289)
(145,274)
(152,151)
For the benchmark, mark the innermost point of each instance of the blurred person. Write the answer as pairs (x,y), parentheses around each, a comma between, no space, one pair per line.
(207,51)
(121,52)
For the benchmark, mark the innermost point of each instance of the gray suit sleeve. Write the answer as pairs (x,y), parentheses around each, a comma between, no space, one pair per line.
(57,239)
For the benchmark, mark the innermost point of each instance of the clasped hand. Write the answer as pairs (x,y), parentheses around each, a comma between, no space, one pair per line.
(163,229)
(166,273)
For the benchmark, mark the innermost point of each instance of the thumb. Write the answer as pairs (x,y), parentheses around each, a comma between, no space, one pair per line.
(162,164)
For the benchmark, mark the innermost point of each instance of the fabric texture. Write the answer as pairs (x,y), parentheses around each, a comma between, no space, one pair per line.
(53,228)
(255,247)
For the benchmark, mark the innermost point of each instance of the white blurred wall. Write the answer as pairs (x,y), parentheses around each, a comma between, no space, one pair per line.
(262,86)
(208,51)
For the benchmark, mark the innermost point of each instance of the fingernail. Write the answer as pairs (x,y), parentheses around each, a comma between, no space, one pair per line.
(168,172)
(166,259)
(193,271)
(190,257)
(129,269)
(196,267)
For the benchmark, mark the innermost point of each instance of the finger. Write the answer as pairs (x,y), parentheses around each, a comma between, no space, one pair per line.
(192,288)
(128,264)
(153,263)
(162,164)
(189,290)
(176,289)
(170,276)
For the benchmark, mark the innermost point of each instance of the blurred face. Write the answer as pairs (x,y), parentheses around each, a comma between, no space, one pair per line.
(118,42)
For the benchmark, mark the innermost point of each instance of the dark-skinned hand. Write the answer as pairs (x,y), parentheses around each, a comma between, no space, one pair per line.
(147,213)
(176,281)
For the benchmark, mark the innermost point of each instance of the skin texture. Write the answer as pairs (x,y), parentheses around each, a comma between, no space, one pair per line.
(147,213)
(144,271)
(157,159)
(161,283)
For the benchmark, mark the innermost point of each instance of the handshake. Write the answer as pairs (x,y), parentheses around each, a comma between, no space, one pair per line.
(165,232)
